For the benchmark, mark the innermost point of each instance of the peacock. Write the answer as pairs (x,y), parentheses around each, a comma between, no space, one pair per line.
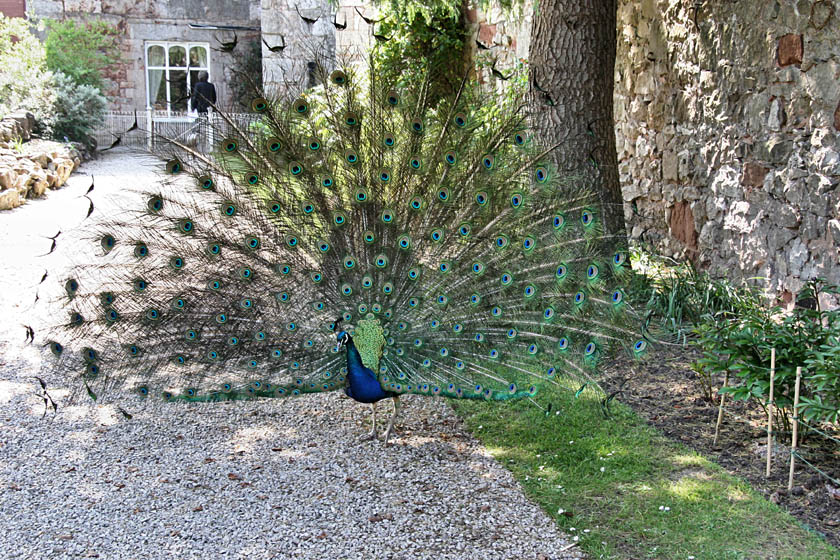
(378,238)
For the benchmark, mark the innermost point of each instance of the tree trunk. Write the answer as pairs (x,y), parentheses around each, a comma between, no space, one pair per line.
(572,59)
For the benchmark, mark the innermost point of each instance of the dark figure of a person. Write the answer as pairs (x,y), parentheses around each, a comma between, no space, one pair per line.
(204,94)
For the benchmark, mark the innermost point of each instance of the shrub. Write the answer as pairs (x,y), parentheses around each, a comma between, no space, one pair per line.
(77,110)
(25,82)
(741,344)
(81,50)
(422,36)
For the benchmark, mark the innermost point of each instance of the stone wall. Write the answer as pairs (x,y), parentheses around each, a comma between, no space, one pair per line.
(283,22)
(728,131)
(728,135)
(29,167)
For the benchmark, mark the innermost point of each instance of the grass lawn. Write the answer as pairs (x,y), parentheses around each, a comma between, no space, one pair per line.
(628,492)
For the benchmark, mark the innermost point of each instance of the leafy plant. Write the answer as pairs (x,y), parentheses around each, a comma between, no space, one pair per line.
(77,110)
(419,37)
(81,50)
(25,82)
(741,344)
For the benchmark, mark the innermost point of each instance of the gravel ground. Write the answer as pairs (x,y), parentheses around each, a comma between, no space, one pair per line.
(267,479)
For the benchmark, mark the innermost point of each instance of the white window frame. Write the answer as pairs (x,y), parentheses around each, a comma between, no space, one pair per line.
(167,68)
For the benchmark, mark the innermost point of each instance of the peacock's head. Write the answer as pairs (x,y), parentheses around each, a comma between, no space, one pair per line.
(343,338)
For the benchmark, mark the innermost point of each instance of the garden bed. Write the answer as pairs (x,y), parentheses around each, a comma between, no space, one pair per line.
(669,397)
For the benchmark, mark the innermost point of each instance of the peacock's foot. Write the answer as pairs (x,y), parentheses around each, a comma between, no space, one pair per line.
(368,436)
(388,438)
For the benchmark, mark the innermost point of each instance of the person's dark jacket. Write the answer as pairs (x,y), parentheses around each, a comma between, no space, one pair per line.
(204,93)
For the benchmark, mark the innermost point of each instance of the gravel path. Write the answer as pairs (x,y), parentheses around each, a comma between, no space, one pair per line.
(229,480)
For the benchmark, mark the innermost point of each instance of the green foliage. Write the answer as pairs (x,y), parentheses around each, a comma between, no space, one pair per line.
(677,296)
(77,110)
(741,344)
(81,50)
(61,107)
(24,79)
(422,36)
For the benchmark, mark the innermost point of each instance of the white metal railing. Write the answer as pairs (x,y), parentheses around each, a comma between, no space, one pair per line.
(154,127)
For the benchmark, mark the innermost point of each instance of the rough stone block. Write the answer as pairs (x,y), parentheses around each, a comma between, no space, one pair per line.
(753,174)
(837,117)
(776,118)
(834,231)
(797,257)
(486,32)
(10,198)
(790,50)
(670,167)
(682,225)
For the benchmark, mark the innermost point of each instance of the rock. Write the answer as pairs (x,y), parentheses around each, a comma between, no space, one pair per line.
(7,178)
(797,491)
(10,198)
(37,183)
(834,231)
(778,149)
(753,174)
(682,225)
(776,118)
(783,215)
(837,117)
(789,50)
(40,158)
(670,167)
(797,257)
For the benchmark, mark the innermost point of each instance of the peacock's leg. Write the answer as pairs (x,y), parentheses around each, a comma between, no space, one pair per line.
(372,434)
(393,417)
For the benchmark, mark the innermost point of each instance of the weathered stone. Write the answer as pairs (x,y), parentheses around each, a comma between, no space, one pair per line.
(790,50)
(753,174)
(7,178)
(40,158)
(37,183)
(682,225)
(837,117)
(778,149)
(797,256)
(778,237)
(739,218)
(834,231)
(10,198)
(782,215)
(486,32)
(776,117)
(670,167)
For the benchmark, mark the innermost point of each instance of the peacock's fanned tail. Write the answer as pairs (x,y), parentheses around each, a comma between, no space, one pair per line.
(436,218)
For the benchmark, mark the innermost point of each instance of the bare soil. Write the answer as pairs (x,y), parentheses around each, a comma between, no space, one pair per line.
(668,394)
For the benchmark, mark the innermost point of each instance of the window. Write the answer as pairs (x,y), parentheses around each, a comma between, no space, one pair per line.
(171,71)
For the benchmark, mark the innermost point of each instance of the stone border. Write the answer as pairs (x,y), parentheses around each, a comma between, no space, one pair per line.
(28,169)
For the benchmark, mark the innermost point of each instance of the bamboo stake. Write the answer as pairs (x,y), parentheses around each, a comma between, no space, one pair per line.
(720,409)
(795,427)
(770,412)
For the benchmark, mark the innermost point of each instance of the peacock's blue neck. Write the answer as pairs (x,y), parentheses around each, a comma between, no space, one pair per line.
(354,359)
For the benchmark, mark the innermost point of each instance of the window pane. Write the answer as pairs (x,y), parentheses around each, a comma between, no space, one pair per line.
(194,78)
(157,89)
(198,57)
(178,91)
(157,56)
(177,56)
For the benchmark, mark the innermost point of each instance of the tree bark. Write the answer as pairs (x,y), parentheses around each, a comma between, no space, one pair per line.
(572,59)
